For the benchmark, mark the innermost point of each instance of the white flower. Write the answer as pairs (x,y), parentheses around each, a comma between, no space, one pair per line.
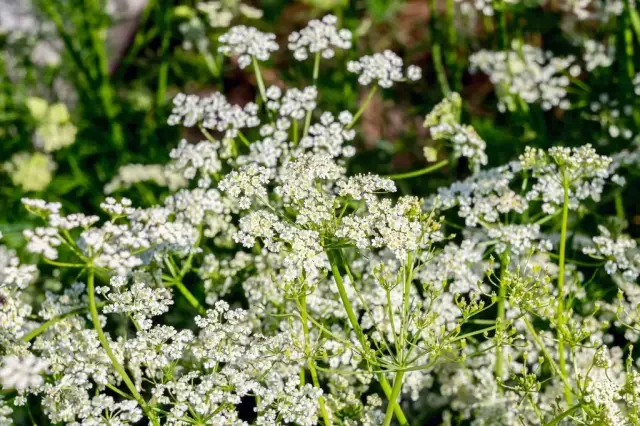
(246,43)
(466,143)
(319,37)
(22,373)
(620,254)
(214,113)
(131,174)
(245,184)
(295,103)
(526,71)
(414,73)
(43,240)
(381,68)
(596,55)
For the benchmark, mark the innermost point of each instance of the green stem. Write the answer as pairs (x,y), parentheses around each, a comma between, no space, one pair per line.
(364,106)
(503,38)
(545,352)
(63,264)
(404,328)
(547,218)
(294,130)
(163,73)
(45,325)
(316,72)
(436,53)
(561,273)
(190,297)
(473,333)
(256,68)
(628,41)
(452,43)
(316,68)
(243,139)
(311,363)
(620,213)
(557,419)
(93,308)
(502,293)
(393,399)
(384,383)
(420,172)
(118,391)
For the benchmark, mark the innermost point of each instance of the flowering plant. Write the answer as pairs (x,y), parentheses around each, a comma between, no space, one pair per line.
(276,285)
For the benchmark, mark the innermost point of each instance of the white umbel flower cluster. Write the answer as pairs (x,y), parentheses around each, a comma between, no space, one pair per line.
(247,43)
(597,55)
(295,103)
(383,69)
(621,254)
(584,170)
(444,124)
(131,174)
(319,36)
(214,113)
(22,373)
(527,72)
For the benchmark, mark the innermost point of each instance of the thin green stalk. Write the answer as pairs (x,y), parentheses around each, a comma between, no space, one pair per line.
(316,68)
(353,319)
(316,72)
(384,383)
(473,333)
(63,264)
(452,43)
(547,218)
(93,308)
(311,363)
(535,408)
(294,130)
(396,338)
(436,53)
(364,106)
(503,38)
(256,68)
(45,325)
(541,346)
(561,272)
(628,41)
(393,399)
(620,212)
(193,301)
(118,391)
(404,327)
(545,352)
(243,139)
(557,419)
(500,319)
(163,73)
(420,172)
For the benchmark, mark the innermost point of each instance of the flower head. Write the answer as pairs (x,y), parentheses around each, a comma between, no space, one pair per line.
(247,42)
